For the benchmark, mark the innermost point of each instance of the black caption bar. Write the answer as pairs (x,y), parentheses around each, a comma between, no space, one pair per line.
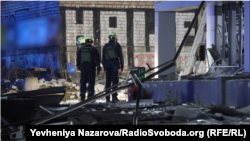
(68,132)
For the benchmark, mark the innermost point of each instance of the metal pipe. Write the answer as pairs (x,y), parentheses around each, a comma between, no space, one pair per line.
(229,34)
(219,32)
(159,71)
(220,67)
(48,111)
(240,24)
(135,120)
(223,32)
(189,30)
(133,79)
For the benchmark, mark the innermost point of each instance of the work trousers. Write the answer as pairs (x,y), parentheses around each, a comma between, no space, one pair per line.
(111,77)
(87,77)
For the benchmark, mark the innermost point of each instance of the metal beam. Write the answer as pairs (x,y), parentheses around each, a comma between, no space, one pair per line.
(166,39)
(218,29)
(232,35)
(240,26)
(189,29)
(223,32)
(228,35)
(246,37)
(183,5)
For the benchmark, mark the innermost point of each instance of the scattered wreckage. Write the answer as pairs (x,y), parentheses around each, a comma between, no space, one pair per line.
(149,113)
(138,112)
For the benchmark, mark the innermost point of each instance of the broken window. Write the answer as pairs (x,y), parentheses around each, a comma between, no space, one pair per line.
(202,53)
(113,22)
(79,16)
(187,24)
(189,41)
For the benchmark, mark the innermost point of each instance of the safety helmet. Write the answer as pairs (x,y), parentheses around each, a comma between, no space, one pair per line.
(80,40)
(89,39)
(112,35)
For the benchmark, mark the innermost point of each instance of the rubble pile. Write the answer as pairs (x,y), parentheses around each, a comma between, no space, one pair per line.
(153,113)
(7,87)
(72,94)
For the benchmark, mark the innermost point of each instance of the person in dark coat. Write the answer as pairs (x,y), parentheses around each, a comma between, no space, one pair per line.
(87,61)
(112,61)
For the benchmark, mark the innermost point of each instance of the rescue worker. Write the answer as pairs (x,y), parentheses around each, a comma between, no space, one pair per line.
(80,42)
(112,61)
(87,61)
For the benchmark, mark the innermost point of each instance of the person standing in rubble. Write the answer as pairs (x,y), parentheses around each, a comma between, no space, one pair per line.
(87,61)
(112,61)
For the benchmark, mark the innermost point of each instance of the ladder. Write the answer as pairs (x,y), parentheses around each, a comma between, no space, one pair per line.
(197,40)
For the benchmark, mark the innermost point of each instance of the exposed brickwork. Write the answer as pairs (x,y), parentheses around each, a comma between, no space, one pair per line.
(180,20)
(132,30)
(109,4)
(73,29)
(139,28)
(121,29)
(180,29)
(151,40)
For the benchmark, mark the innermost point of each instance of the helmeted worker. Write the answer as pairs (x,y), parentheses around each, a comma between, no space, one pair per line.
(80,41)
(112,61)
(87,61)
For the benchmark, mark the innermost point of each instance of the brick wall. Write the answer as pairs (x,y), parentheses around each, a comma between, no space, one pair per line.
(151,40)
(120,30)
(139,28)
(109,4)
(181,29)
(134,26)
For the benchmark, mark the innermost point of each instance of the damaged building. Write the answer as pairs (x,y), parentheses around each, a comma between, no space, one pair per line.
(133,22)
(186,63)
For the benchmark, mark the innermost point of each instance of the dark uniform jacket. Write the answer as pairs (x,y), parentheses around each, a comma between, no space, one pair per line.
(88,66)
(117,63)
